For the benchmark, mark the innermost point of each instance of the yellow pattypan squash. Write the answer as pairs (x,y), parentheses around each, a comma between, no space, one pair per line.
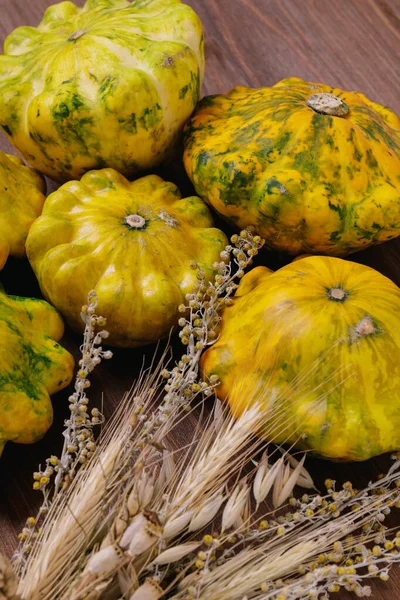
(110,84)
(21,201)
(315,169)
(33,366)
(318,344)
(131,242)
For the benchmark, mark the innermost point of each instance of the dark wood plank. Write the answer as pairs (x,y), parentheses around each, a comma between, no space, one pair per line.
(354,44)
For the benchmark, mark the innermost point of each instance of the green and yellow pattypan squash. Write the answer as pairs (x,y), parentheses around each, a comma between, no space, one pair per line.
(315,169)
(21,201)
(132,243)
(109,84)
(33,366)
(318,344)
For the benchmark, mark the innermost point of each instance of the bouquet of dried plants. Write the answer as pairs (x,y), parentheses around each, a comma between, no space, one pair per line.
(134,516)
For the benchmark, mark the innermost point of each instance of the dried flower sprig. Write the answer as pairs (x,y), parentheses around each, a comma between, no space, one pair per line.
(198,326)
(79,442)
(280,557)
(357,565)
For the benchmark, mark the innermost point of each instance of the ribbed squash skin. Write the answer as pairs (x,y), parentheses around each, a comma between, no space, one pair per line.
(83,242)
(309,182)
(327,371)
(21,201)
(110,84)
(33,366)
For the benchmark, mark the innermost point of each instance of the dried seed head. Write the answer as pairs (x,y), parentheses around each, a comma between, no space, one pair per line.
(287,484)
(265,478)
(133,503)
(149,590)
(176,553)
(105,560)
(176,525)
(142,534)
(279,482)
(119,526)
(207,513)
(235,505)
(145,488)
(304,480)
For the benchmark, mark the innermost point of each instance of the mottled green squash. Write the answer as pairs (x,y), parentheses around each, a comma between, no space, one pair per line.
(313,168)
(33,366)
(109,84)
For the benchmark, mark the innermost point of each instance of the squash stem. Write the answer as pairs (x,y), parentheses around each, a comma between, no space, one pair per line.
(337,294)
(328,104)
(135,221)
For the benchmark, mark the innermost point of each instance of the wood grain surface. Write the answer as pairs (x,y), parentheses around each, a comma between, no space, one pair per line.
(354,44)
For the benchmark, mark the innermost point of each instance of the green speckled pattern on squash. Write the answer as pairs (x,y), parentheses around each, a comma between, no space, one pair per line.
(309,182)
(109,84)
(33,366)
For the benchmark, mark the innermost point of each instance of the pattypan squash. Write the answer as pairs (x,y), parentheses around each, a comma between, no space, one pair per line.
(132,243)
(315,169)
(110,84)
(33,366)
(317,343)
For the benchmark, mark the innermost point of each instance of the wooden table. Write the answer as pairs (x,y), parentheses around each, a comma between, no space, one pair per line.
(353,44)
